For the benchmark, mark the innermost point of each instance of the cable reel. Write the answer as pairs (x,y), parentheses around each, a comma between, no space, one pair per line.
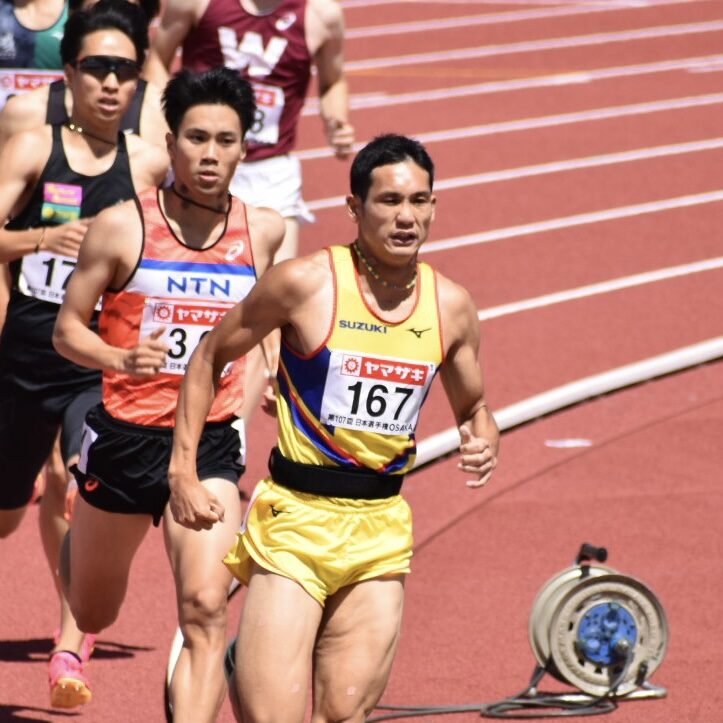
(594,628)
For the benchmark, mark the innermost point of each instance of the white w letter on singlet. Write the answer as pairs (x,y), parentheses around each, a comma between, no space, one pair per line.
(250,52)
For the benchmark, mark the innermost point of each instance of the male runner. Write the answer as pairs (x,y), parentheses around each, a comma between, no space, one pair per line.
(54,179)
(274,44)
(169,267)
(53,103)
(327,537)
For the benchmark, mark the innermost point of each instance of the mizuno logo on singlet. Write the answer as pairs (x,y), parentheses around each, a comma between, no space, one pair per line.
(276,512)
(418,332)
(362,326)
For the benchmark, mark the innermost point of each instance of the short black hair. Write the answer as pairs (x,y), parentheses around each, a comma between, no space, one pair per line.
(385,150)
(119,15)
(150,7)
(216,86)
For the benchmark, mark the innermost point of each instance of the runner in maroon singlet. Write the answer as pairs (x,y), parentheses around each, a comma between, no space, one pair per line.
(273,43)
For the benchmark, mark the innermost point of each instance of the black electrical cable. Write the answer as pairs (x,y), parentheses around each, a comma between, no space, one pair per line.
(527,704)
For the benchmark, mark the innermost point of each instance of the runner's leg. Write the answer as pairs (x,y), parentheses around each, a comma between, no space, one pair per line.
(96,561)
(355,649)
(198,686)
(274,651)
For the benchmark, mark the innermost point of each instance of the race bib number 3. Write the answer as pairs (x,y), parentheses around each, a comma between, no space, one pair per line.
(375,394)
(185,324)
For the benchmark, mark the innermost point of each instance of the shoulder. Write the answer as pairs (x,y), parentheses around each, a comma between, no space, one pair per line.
(327,16)
(266,224)
(457,310)
(25,111)
(296,280)
(189,10)
(149,162)
(29,147)
(119,217)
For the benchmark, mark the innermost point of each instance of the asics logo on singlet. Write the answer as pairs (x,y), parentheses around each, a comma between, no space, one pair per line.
(285,21)
(362,326)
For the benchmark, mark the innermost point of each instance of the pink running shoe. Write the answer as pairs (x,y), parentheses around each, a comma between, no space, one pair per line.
(86,649)
(68,686)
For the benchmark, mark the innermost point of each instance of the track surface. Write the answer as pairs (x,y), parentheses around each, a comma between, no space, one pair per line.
(576,144)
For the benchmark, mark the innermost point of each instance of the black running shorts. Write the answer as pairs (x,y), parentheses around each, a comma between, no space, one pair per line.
(123,467)
(29,422)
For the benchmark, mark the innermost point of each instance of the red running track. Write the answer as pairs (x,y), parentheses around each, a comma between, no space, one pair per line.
(648,487)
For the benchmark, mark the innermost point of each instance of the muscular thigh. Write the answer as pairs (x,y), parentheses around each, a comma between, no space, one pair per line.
(275,644)
(355,649)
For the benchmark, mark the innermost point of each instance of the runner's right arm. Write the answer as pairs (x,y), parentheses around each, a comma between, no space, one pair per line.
(21,163)
(105,260)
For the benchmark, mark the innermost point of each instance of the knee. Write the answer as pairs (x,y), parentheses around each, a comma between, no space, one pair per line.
(204,607)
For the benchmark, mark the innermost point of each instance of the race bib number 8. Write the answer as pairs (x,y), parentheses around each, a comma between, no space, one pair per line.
(185,324)
(374,394)
(269,107)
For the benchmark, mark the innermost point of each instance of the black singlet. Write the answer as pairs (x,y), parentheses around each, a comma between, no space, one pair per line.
(27,356)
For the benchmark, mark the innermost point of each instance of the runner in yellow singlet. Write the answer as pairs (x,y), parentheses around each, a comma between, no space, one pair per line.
(327,537)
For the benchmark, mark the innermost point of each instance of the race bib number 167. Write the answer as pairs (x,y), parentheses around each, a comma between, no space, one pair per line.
(373,393)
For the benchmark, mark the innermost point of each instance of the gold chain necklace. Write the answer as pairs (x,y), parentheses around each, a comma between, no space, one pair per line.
(375,274)
(81,131)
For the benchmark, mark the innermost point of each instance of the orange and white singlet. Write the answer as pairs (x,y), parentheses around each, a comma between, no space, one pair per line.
(355,401)
(185,292)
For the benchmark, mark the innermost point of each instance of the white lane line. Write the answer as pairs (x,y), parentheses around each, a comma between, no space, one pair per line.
(510,16)
(360,101)
(526,124)
(572,164)
(618,4)
(580,219)
(530,46)
(603,287)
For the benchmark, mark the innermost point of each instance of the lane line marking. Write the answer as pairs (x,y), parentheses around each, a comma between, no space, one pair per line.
(525,124)
(602,287)
(540,169)
(509,16)
(580,219)
(527,46)
(362,101)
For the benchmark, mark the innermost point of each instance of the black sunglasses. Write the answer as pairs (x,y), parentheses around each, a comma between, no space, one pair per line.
(102,65)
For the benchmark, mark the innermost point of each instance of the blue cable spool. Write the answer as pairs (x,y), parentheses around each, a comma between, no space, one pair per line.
(604,631)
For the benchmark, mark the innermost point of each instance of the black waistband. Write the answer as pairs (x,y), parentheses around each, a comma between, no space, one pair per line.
(359,484)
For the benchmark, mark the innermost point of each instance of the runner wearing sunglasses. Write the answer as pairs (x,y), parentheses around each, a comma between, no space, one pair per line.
(54,180)
(53,103)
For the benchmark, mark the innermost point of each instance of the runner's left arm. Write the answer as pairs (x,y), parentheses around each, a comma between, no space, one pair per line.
(333,87)
(463,382)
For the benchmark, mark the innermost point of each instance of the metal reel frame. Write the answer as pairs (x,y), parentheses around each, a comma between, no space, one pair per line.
(546,603)
(645,654)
